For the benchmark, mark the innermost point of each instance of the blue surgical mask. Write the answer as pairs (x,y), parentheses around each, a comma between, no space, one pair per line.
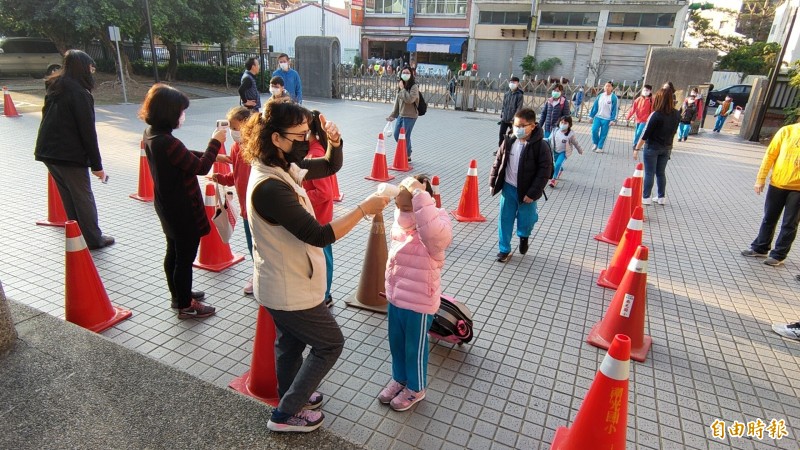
(519,132)
(405,76)
(563,126)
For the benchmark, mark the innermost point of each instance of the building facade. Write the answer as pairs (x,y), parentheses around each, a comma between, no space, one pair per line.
(780,28)
(306,20)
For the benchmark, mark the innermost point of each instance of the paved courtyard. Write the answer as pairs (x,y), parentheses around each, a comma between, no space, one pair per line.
(714,356)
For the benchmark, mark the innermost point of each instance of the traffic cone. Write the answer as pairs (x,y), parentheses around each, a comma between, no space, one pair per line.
(400,154)
(615,226)
(370,293)
(214,254)
(145,191)
(337,196)
(436,196)
(86,301)
(379,171)
(626,313)
(637,187)
(261,381)
(602,419)
(222,168)
(56,216)
(9,110)
(611,277)
(468,207)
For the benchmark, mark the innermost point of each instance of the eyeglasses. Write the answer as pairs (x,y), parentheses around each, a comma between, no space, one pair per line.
(305,136)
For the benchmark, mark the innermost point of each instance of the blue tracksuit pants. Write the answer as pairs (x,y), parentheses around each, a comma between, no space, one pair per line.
(408,342)
(600,131)
(512,210)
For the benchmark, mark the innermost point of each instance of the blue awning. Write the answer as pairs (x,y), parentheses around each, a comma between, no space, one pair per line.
(435,44)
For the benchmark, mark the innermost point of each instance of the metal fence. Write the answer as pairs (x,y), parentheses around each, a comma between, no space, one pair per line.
(187,54)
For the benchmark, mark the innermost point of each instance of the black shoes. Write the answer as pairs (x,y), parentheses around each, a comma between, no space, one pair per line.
(523,245)
(329,301)
(196,295)
(503,257)
(105,241)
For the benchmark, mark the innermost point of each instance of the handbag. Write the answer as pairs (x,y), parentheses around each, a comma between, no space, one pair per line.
(224,215)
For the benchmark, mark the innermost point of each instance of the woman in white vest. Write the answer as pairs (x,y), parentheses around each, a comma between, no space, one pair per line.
(289,273)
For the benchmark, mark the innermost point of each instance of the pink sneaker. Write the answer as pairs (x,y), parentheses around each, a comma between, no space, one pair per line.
(302,422)
(248,287)
(406,399)
(390,391)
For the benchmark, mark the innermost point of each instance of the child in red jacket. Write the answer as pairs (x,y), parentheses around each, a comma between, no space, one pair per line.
(642,108)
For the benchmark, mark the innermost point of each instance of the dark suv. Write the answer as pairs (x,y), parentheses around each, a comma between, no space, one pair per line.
(740,93)
(28,56)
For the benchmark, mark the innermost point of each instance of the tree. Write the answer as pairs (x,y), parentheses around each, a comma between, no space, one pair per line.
(755,59)
(530,66)
(708,37)
(793,112)
(755,18)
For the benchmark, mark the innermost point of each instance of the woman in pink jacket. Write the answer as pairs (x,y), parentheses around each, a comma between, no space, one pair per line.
(420,235)
(642,108)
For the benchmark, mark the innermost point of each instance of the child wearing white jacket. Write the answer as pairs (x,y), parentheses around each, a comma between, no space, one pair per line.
(562,141)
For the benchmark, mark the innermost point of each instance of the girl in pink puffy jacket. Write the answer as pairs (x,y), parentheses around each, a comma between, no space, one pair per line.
(420,234)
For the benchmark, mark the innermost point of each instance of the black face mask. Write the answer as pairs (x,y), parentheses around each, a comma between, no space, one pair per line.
(297,153)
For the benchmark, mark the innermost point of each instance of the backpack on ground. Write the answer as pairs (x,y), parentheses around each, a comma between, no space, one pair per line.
(452,323)
(422,107)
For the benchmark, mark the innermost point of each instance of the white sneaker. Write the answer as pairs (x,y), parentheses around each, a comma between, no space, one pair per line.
(248,287)
(647,201)
(594,148)
(662,200)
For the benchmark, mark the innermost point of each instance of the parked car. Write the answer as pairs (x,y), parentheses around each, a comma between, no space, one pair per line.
(238,59)
(740,93)
(162,54)
(36,57)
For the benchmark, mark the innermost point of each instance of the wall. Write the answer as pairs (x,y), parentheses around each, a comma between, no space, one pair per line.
(681,66)
(306,21)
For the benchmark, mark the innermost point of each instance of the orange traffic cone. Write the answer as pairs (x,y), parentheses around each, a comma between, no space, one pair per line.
(616,221)
(611,277)
(337,196)
(437,197)
(214,254)
(86,300)
(145,191)
(468,207)
(222,168)
(625,315)
(379,171)
(637,186)
(9,110)
(602,419)
(261,381)
(400,154)
(370,293)
(56,216)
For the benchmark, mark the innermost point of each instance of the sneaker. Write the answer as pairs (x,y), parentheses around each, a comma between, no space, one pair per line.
(503,257)
(753,253)
(791,330)
(523,245)
(594,148)
(197,295)
(105,241)
(406,399)
(248,287)
(329,301)
(662,200)
(797,277)
(773,262)
(302,422)
(390,391)
(197,310)
(599,150)
(647,201)
(314,402)
(552,183)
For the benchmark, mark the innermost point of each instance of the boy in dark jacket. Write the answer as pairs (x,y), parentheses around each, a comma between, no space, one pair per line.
(521,170)
(512,102)
(688,113)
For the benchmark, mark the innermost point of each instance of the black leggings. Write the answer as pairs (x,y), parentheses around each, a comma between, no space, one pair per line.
(178,268)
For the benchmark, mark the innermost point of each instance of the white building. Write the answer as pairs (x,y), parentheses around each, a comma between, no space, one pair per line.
(307,21)
(722,18)
(780,26)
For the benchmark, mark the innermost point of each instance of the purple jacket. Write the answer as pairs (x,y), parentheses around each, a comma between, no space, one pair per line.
(416,257)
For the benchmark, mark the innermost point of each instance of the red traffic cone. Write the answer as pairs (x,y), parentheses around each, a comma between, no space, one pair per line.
(9,110)
(56,216)
(626,313)
(400,154)
(379,171)
(86,300)
(637,186)
(145,191)
(261,381)
(370,293)
(611,277)
(602,419)
(337,196)
(436,196)
(468,207)
(214,254)
(617,220)
(222,168)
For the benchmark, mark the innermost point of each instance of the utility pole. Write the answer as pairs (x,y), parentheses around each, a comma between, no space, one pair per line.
(322,4)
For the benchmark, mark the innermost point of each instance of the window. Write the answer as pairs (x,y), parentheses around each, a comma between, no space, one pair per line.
(385,6)
(569,18)
(503,18)
(736,90)
(443,7)
(648,20)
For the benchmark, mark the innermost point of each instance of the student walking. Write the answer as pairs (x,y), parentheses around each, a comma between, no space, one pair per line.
(722,113)
(249,96)
(405,107)
(512,102)
(562,141)
(642,108)
(688,113)
(577,101)
(603,115)
(783,196)
(420,234)
(657,142)
(291,79)
(553,109)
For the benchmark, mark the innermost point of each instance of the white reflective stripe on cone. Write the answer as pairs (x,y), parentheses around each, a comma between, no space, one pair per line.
(380,149)
(76,244)
(142,153)
(402,135)
(615,369)
(472,172)
(211,200)
(625,192)
(435,188)
(635,224)
(638,173)
(637,266)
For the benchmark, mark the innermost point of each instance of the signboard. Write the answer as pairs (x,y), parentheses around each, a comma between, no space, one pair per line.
(410,13)
(357,13)
(113,34)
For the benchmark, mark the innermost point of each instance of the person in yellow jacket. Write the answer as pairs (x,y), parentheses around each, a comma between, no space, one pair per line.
(783,196)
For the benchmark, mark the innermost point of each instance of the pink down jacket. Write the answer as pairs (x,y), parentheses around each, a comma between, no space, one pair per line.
(416,257)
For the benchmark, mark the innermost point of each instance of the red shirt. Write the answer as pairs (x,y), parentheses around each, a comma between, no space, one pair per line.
(320,191)
(642,107)
(239,178)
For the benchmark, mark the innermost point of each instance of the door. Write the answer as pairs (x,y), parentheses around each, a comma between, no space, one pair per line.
(500,57)
(623,63)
